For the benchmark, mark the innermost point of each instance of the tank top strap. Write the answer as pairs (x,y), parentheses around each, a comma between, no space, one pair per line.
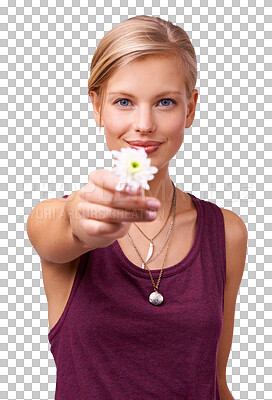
(214,229)
(220,237)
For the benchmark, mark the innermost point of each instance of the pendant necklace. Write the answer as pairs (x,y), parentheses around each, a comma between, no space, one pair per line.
(151,244)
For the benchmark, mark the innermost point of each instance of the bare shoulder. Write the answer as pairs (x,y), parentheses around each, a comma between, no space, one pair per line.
(234,224)
(236,236)
(58,280)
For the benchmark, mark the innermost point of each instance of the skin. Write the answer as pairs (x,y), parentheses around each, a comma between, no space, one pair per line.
(144,115)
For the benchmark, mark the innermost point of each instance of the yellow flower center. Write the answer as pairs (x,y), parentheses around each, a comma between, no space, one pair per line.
(134,167)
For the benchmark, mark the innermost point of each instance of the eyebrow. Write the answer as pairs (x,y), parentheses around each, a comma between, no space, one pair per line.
(131,95)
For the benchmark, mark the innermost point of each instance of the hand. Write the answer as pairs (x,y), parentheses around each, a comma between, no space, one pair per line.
(107,214)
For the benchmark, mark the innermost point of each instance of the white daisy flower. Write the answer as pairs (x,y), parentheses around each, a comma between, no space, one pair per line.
(133,168)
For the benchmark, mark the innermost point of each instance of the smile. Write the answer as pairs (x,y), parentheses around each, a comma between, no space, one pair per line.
(148,149)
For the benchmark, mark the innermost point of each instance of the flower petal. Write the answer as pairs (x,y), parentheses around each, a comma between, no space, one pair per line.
(133,167)
(115,153)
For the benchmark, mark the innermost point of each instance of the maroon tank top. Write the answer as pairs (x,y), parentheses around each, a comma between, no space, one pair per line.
(111,343)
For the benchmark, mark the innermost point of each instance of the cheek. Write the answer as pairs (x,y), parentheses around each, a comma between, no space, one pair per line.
(174,126)
(113,121)
(114,127)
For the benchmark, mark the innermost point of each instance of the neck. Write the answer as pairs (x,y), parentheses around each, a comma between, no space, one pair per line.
(162,189)
(160,186)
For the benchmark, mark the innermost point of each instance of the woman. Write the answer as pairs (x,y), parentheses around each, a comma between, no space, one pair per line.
(123,325)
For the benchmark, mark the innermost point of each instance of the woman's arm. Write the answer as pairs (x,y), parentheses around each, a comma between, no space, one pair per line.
(236,248)
(225,393)
(49,230)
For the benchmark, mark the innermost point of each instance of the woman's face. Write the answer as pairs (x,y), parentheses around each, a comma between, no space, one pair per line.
(146,100)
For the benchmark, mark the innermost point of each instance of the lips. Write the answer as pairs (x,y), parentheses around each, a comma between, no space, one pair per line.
(143,143)
(148,148)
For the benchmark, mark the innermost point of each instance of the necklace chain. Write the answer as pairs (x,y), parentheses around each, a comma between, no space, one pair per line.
(151,240)
(169,239)
(162,226)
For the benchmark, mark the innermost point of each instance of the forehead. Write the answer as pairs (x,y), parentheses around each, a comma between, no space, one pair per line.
(152,71)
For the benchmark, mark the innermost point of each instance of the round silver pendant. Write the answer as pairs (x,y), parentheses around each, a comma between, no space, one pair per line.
(156,298)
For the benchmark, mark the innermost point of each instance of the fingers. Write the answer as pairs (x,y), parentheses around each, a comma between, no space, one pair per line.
(104,179)
(101,190)
(113,215)
(119,200)
(95,227)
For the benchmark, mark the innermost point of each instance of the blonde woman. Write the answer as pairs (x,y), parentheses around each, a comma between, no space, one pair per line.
(124,325)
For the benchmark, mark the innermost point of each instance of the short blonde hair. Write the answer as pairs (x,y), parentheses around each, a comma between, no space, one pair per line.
(133,39)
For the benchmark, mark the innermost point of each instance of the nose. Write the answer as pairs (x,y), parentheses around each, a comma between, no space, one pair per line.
(144,121)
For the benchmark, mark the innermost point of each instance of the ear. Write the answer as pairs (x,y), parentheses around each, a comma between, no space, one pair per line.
(96,107)
(191,106)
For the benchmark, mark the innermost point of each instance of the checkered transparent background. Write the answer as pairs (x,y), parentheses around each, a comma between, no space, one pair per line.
(50,143)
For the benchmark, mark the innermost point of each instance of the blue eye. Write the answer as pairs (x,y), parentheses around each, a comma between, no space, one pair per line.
(173,101)
(117,101)
(124,100)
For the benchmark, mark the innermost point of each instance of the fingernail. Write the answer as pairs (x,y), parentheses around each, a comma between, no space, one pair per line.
(151,214)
